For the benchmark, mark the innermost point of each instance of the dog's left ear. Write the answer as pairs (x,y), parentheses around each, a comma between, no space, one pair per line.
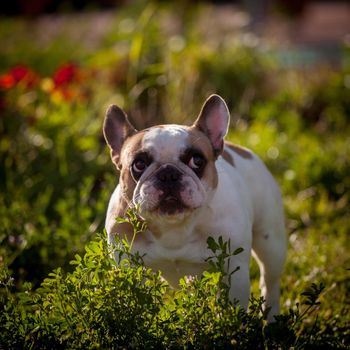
(214,120)
(116,129)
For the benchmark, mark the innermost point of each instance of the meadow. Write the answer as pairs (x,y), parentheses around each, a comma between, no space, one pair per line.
(58,286)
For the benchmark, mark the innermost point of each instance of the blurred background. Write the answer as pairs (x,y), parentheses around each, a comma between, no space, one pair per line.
(282,66)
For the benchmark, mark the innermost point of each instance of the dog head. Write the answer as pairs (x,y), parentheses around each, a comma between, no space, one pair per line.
(168,171)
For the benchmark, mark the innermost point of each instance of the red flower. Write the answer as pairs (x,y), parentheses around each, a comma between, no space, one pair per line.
(20,72)
(17,74)
(66,74)
(7,81)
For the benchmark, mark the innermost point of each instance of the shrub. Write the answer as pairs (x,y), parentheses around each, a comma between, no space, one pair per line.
(56,177)
(102,304)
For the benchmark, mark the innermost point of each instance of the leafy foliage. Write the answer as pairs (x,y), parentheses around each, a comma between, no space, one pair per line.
(126,305)
(56,177)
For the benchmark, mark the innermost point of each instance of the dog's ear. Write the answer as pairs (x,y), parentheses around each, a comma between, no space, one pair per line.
(214,120)
(116,129)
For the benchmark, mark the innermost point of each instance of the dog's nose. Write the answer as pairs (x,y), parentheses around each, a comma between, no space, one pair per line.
(169,175)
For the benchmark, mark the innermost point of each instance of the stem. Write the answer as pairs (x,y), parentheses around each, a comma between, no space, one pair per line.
(132,240)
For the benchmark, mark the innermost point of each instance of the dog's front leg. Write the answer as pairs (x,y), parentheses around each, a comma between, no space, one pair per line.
(240,280)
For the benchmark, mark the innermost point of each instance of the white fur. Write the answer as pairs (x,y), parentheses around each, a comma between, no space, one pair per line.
(165,141)
(245,207)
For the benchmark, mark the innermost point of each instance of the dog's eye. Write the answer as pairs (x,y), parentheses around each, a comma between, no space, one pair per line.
(139,166)
(196,162)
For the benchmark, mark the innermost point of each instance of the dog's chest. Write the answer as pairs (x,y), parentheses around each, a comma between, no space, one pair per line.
(187,260)
(175,253)
(173,246)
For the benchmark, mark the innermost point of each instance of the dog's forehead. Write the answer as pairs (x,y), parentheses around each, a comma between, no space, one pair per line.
(166,141)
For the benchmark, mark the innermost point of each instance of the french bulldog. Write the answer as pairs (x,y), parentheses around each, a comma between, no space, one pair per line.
(189,184)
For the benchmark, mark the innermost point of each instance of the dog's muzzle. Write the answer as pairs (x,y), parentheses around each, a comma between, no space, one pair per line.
(168,180)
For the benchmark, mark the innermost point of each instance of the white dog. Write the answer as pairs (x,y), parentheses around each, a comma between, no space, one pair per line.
(188,185)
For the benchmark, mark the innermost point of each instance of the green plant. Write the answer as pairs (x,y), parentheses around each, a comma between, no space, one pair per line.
(104,304)
(160,62)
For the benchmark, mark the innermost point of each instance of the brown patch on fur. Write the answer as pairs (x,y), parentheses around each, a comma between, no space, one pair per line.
(124,230)
(118,211)
(227,156)
(131,146)
(199,140)
(127,183)
(241,151)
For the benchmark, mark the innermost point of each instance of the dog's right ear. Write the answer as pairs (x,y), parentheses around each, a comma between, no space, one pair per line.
(116,129)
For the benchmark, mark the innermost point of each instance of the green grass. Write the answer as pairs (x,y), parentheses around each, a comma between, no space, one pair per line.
(56,179)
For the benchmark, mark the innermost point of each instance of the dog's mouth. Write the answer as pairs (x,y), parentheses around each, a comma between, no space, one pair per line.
(171,205)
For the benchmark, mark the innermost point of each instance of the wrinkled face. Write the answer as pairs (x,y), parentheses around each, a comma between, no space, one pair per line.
(168,171)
